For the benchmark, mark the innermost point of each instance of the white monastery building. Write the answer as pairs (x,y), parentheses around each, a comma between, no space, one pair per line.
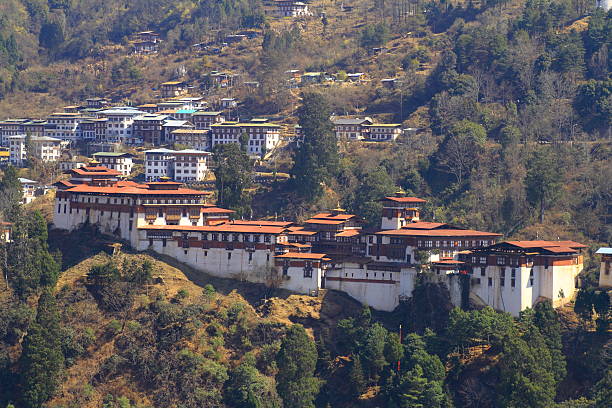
(330,250)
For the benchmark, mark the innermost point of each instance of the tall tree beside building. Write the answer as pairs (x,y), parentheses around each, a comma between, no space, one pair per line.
(543,180)
(42,360)
(11,194)
(316,161)
(233,176)
(297,358)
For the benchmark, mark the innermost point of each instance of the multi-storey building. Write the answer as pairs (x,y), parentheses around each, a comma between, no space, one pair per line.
(191,165)
(514,275)
(173,88)
(351,129)
(379,268)
(13,127)
(65,126)
(382,132)
(47,149)
(119,124)
(204,120)
(605,270)
(121,162)
(158,164)
(292,8)
(187,165)
(262,137)
(148,129)
(194,138)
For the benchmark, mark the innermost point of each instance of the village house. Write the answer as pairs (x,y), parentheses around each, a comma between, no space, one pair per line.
(173,88)
(31,190)
(187,165)
(382,132)
(193,138)
(158,164)
(204,119)
(228,103)
(170,125)
(605,269)
(65,126)
(13,127)
(121,162)
(148,129)
(148,107)
(6,229)
(292,8)
(119,124)
(97,103)
(70,164)
(351,128)
(46,149)
(146,42)
(191,165)
(262,137)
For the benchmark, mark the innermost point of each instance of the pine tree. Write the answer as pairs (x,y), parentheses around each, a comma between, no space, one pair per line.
(316,161)
(356,379)
(233,176)
(11,194)
(297,358)
(42,360)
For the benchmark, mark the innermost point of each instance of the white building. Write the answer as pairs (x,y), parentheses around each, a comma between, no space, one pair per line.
(382,132)
(605,270)
(187,165)
(64,126)
(122,162)
(191,165)
(119,124)
(262,137)
(376,268)
(47,149)
(194,138)
(514,275)
(158,164)
(292,8)
(351,128)
(604,4)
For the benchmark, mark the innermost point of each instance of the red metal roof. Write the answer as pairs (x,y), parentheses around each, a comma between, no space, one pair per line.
(349,233)
(413,200)
(424,225)
(546,244)
(263,223)
(138,189)
(301,255)
(438,233)
(95,171)
(331,216)
(230,228)
(323,221)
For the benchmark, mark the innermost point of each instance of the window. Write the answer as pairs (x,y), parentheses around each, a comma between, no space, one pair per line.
(490,281)
(501,260)
(250,257)
(308,269)
(483,259)
(531,277)
(482,271)
(229,256)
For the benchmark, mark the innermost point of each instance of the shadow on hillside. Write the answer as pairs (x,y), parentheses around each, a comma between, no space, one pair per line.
(78,245)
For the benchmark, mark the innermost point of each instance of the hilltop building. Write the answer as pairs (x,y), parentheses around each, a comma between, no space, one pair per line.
(330,250)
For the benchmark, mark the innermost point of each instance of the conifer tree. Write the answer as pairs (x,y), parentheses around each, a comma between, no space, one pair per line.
(233,175)
(316,161)
(297,358)
(42,360)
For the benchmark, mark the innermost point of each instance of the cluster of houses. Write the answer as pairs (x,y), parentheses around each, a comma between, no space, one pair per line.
(330,250)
